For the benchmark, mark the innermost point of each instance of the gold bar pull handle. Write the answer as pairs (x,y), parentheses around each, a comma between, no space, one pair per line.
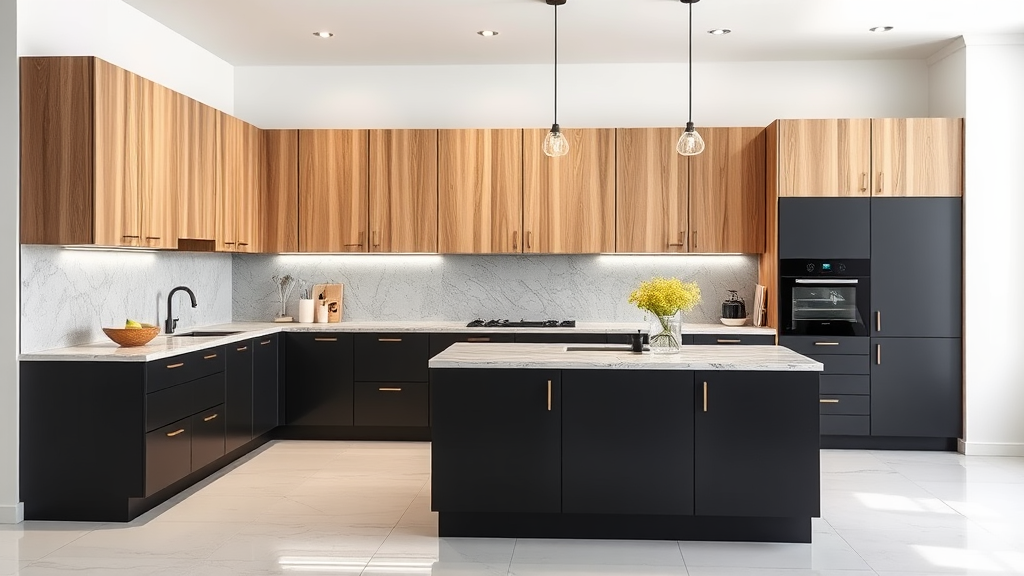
(549,395)
(325,339)
(694,246)
(529,240)
(881,182)
(878,354)
(864,182)
(705,396)
(515,240)
(829,401)
(682,240)
(173,366)
(878,321)
(242,348)
(478,339)
(211,417)
(724,341)
(389,389)
(176,432)
(265,342)
(826,343)
(389,339)
(209,357)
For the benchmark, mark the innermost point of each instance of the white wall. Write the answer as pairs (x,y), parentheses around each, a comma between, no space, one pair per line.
(947,82)
(994,246)
(128,38)
(10,508)
(590,95)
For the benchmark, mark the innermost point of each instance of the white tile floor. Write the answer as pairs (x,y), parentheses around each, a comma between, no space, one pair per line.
(364,508)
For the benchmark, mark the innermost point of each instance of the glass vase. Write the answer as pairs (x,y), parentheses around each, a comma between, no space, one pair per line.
(666,334)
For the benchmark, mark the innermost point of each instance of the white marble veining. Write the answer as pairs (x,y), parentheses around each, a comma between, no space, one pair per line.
(67,296)
(456,287)
(619,357)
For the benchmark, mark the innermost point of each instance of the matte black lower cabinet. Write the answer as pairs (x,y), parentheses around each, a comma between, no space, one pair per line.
(916,387)
(237,419)
(391,403)
(319,379)
(497,441)
(265,391)
(627,445)
(168,455)
(208,429)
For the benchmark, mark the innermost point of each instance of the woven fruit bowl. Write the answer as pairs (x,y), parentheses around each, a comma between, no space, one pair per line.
(132,336)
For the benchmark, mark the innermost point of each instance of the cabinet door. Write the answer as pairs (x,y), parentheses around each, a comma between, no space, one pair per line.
(398,357)
(117,158)
(727,192)
(496,441)
(480,191)
(239,394)
(917,267)
(161,163)
(247,195)
(838,228)
(916,387)
(756,444)
(208,435)
(627,442)
(318,386)
(168,455)
(824,157)
(232,180)
(279,191)
(917,156)
(403,191)
(197,199)
(391,404)
(651,191)
(265,391)
(569,202)
(333,190)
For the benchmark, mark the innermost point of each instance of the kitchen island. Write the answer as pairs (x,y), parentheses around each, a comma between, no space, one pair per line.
(557,441)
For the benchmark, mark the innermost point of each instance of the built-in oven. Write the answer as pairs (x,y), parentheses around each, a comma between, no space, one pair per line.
(824,297)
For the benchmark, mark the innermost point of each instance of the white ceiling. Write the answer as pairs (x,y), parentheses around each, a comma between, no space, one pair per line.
(421,32)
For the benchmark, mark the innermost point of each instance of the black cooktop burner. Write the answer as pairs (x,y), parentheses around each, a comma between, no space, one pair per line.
(478,323)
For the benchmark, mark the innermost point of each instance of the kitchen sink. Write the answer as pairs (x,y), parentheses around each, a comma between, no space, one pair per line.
(205,333)
(603,348)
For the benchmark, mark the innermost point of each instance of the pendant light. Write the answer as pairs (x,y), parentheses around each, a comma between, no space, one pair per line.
(690,143)
(555,143)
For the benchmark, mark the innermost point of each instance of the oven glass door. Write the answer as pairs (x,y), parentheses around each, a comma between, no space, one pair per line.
(826,306)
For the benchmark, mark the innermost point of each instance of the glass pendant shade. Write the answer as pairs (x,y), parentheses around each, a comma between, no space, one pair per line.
(690,143)
(556,144)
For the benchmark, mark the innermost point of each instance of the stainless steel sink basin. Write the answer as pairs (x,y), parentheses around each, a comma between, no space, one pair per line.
(205,333)
(603,348)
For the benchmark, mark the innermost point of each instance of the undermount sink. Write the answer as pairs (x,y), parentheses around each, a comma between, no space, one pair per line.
(603,348)
(205,333)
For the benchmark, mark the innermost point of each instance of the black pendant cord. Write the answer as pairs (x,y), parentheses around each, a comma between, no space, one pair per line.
(689,69)
(556,64)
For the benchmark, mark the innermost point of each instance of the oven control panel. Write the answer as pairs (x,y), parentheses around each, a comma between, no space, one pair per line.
(817,268)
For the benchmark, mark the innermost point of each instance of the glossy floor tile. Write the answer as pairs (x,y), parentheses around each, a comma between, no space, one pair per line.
(363,508)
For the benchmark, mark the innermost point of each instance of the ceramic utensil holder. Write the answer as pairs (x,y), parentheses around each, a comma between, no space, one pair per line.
(306,311)
(321,312)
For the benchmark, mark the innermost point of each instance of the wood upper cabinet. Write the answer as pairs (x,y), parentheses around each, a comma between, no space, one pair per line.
(480,191)
(824,157)
(727,192)
(197,198)
(569,202)
(117,148)
(917,156)
(333,190)
(161,164)
(403,191)
(279,191)
(237,195)
(651,191)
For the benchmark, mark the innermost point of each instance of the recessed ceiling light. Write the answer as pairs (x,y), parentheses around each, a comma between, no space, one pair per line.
(488,33)
(881,29)
(719,31)
(323,34)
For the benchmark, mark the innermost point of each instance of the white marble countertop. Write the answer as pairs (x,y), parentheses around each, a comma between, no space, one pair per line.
(618,357)
(164,346)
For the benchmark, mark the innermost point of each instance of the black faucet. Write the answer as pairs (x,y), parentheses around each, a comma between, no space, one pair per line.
(172,323)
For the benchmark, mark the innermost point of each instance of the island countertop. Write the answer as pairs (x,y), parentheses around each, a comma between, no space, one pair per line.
(619,357)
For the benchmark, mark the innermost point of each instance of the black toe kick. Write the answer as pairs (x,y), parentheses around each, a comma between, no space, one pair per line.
(623,527)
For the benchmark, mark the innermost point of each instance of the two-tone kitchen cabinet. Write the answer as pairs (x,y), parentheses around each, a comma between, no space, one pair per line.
(712,202)
(391,379)
(238,193)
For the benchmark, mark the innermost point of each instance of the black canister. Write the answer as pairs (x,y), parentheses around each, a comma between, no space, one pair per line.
(734,307)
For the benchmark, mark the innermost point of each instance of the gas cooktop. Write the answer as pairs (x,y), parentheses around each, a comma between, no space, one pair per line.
(478,323)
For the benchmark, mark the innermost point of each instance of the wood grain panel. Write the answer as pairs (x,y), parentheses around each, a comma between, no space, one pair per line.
(917,156)
(403,191)
(197,199)
(727,192)
(57,99)
(651,191)
(232,179)
(480,191)
(824,157)
(117,133)
(569,202)
(333,190)
(768,266)
(160,170)
(248,194)
(279,191)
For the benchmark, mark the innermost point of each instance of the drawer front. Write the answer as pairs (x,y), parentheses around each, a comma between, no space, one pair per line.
(439,342)
(168,455)
(391,357)
(184,400)
(741,339)
(562,338)
(838,364)
(840,425)
(208,432)
(391,404)
(844,404)
(826,344)
(844,384)
(169,372)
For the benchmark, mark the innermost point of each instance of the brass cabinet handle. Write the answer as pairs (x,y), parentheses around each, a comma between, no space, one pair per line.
(390,389)
(358,244)
(211,417)
(229,243)
(478,339)
(864,182)
(829,401)
(210,357)
(325,339)
(682,240)
(878,354)
(881,182)
(265,342)
(128,236)
(152,237)
(723,341)
(243,243)
(175,433)
(694,240)
(389,339)
(529,240)
(375,244)
(826,343)
(549,395)
(705,396)
(515,240)
(242,349)
(173,366)
(878,321)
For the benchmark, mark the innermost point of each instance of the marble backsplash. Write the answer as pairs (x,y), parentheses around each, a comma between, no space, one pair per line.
(433,287)
(68,295)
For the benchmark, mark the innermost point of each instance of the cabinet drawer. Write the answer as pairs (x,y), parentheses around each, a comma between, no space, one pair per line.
(440,342)
(562,338)
(391,404)
(208,431)
(826,344)
(838,364)
(391,357)
(183,400)
(841,425)
(743,339)
(176,370)
(844,384)
(168,455)
(844,404)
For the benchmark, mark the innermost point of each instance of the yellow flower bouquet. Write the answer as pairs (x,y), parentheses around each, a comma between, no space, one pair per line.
(664,298)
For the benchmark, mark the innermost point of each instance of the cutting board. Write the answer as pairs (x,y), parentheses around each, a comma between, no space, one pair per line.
(334,294)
